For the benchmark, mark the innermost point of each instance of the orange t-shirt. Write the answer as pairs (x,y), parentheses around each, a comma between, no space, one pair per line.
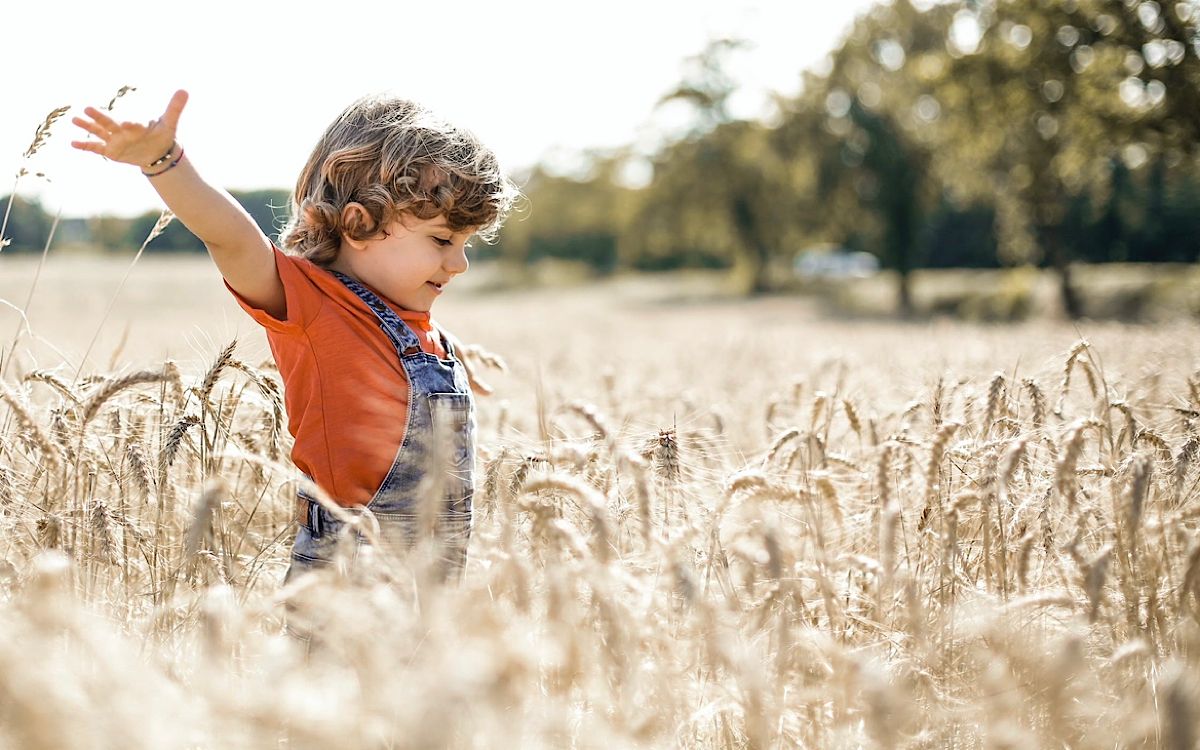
(345,391)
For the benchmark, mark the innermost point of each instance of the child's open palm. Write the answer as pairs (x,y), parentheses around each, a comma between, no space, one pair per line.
(131,142)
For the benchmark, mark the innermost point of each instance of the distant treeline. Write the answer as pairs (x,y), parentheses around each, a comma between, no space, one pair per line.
(1149,215)
(29,225)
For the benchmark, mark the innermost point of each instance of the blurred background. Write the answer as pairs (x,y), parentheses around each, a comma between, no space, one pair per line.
(989,160)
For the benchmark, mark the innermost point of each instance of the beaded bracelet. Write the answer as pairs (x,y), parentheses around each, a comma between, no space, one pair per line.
(167,168)
(164,158)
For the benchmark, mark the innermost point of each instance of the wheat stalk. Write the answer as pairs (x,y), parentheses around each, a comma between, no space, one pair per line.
(57,383)
(28,424)
(42,134)
(110,389)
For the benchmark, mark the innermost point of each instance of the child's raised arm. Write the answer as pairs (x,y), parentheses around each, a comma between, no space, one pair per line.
(241,251)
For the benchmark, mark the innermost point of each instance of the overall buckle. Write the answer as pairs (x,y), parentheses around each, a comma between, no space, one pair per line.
(309,515)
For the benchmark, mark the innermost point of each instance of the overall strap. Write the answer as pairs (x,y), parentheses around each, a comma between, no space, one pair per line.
(397,330)
(446,343)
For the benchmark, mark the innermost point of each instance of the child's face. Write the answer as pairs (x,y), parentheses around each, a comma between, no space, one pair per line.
(413,263)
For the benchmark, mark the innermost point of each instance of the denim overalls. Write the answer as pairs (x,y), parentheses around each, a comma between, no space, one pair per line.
(437,455)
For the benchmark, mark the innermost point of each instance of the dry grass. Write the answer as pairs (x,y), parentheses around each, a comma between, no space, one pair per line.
(709,526)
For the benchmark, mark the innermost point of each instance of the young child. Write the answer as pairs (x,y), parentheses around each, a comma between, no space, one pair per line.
(378,402)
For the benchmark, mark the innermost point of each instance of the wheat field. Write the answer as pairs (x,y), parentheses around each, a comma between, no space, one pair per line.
(700,523)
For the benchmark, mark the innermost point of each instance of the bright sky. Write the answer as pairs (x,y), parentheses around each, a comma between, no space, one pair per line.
(535,79)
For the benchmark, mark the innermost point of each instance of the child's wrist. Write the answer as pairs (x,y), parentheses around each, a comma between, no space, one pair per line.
(164,163)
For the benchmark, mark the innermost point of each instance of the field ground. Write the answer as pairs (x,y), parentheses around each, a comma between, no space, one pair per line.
(702,522)
(672,341)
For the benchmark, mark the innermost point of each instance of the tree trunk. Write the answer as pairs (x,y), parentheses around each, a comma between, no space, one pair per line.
(901,239)
(904,293)
(762,279)
(1070,304)
(757,256)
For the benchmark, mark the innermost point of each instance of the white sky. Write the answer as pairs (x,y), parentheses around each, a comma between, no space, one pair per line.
(535,79)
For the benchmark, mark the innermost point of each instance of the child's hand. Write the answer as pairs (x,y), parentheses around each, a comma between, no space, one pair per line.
(131,142)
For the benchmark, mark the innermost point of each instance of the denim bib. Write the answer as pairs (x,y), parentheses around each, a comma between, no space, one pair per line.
(435,463)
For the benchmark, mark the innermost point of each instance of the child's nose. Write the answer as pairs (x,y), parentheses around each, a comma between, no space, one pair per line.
(456,262)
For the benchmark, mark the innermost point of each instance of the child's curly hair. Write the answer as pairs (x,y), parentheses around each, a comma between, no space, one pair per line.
(393,157)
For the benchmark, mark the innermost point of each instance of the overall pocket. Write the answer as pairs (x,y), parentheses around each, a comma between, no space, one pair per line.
(453,417)
(453,448)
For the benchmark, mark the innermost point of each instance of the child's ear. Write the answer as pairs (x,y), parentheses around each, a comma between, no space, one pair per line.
(356,222)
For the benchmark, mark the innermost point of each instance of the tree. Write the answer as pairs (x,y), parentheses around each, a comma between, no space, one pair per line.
(268,207)
(865,123)
(716,192)
(578,217)
(1046,95)
(718,197)
(28,223)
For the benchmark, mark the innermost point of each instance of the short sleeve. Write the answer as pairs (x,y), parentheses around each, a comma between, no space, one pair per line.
(303,298)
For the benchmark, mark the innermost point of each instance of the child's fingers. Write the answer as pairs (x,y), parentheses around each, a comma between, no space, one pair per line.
(95,148)
(101,119)
(90,127)
(175,108)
